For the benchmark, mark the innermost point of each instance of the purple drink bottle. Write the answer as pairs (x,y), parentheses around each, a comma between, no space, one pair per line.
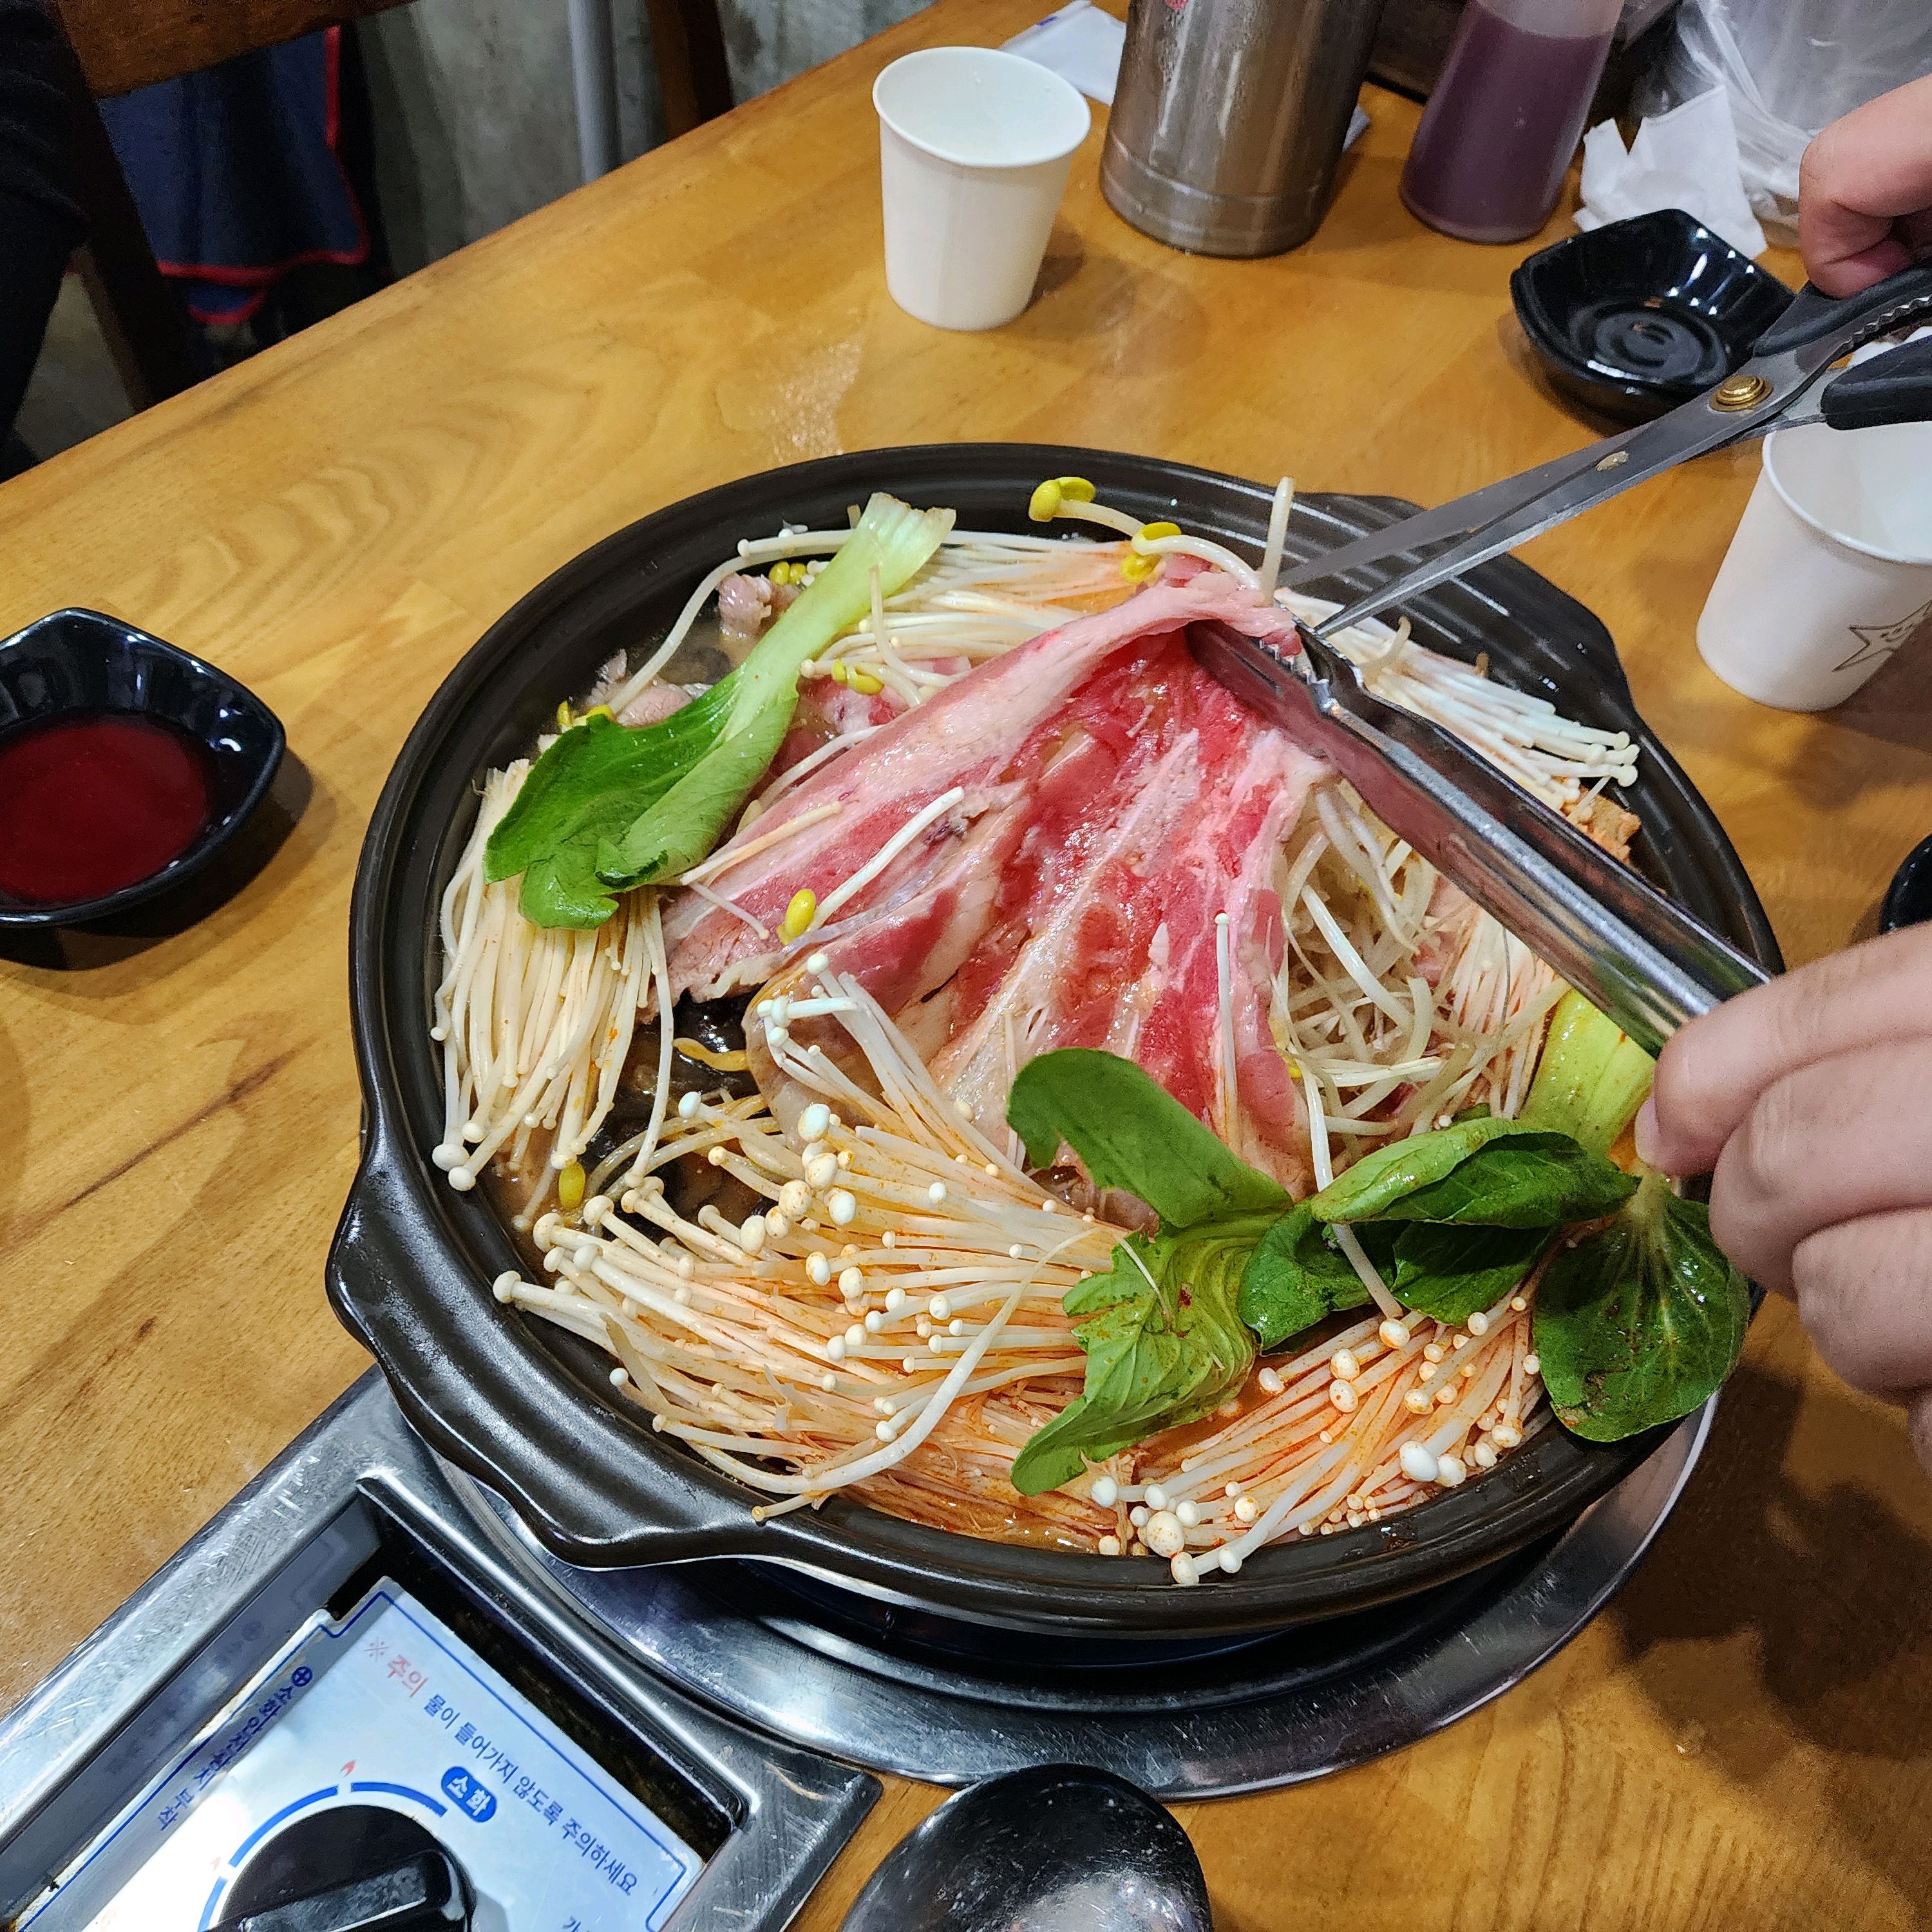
(1487,162)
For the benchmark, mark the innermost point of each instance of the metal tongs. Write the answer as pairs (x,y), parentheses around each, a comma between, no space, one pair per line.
(1642,961)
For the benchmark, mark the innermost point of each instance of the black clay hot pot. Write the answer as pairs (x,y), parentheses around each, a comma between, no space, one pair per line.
(533,1416)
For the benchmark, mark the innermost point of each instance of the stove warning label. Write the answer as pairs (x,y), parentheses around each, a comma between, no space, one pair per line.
(388,1708)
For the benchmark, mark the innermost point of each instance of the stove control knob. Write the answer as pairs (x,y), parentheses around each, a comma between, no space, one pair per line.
(349,1868)
(425,1892)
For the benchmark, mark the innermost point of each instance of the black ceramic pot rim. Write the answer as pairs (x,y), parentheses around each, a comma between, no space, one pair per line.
(1908,899)
(410,1269)
(219,831)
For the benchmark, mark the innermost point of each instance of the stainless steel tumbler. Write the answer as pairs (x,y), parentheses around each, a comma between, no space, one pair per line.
(1229,118)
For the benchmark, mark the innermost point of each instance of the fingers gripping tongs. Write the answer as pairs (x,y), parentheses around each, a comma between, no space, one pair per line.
(1642,961)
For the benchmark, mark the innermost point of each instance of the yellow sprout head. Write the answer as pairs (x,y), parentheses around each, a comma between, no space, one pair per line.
(1055,491)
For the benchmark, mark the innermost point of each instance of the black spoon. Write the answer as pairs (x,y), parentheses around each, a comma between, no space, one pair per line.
(1059,1848)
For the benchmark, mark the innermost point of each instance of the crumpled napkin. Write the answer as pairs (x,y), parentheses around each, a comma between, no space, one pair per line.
(1687,158)
(1080,43)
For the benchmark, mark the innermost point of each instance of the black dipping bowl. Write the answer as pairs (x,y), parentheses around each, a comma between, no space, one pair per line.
(80,661)
(1634,318)
(529,1411)
(1908,900)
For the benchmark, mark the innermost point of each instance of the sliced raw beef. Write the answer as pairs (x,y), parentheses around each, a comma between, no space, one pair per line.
(1114,800)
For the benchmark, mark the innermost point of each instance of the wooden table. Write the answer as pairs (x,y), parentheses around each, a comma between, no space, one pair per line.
(1740,1740)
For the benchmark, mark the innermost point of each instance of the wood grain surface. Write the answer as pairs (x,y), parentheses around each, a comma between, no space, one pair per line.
(1740,1740)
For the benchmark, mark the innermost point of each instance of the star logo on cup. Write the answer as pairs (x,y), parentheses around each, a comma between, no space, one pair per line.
(1877,642)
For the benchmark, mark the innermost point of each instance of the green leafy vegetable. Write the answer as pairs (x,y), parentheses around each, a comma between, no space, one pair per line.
(1164,1348)
(1591,1077)
(687,822)
(1450,1220)
(1130,1132)
(590,784)
(1298,1275)
(608,807)
(1520,1181)
(1480,1171)
(1637,1324)
(1164,1344)
(1450,1272)
(1376,1182)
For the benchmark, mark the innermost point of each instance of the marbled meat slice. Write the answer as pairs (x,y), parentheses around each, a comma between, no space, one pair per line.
(1111,940)
(1115,800)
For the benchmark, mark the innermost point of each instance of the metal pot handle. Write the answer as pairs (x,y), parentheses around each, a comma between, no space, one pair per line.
(490,1398)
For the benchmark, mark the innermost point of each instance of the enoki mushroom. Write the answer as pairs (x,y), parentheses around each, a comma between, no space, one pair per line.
(534,1021)
(888,1322)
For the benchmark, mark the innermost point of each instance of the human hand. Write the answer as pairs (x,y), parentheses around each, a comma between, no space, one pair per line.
(1809,1103)
(1865,192)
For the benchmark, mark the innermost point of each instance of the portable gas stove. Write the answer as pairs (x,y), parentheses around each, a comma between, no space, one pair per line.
(362,1696)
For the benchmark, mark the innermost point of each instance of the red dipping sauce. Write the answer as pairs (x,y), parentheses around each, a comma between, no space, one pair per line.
(92,801)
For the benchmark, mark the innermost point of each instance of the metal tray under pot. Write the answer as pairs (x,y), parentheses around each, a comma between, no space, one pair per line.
(529,1411)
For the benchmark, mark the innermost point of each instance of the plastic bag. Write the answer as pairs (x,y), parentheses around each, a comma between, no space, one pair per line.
(1791,67)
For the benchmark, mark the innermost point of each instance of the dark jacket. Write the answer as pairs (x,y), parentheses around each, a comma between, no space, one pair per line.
(39,224)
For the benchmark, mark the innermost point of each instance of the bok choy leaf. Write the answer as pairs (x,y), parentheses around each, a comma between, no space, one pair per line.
(1297,1275)
(608,806)
(1163,1342)
(1130,1132)
(1451,1221)
(1638,1323)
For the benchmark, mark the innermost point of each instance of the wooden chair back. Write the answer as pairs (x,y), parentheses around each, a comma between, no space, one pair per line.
(123,44)
(118,46)
(687,38)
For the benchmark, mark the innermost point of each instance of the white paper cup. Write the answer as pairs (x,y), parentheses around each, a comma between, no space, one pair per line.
(974,148)
(1831,568)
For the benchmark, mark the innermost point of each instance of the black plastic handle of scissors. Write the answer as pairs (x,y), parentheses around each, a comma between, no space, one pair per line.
(1894,387)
